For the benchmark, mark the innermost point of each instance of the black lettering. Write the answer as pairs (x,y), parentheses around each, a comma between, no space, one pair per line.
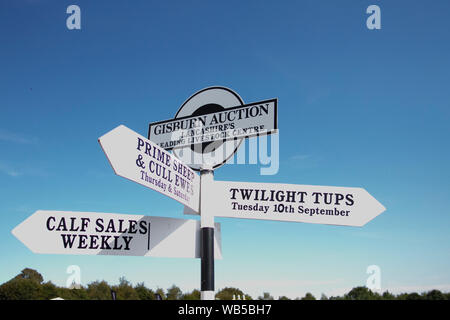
(140,143)
(93,244)
(62,225)
(339,197)
(246,193)
(111,227)
(99,224)
(143,227)
(48,224)
(121,226)
(316,195)
(84,223)
(147,148)
(264,108)
(280,195)
(67,240)
(233,196)
(72,224)
(349,198)
(263,193)
(127,242)
(327,197)
(105,244)
(290,196)
(302,194)
(82,243)
(116,246)
(132,226)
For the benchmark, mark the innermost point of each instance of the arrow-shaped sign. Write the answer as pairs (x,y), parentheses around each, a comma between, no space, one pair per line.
(289,202)
(66,232)
(136,158)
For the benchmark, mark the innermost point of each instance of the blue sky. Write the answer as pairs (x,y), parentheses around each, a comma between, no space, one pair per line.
(356,108)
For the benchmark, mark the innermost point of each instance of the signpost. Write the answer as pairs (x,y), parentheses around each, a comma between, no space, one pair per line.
(134,157)
(210,126)
(91,233)
(238,122)
(295,203)
(205,132)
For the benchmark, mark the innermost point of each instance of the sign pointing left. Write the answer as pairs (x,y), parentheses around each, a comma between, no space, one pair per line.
(138,159)
(93,233)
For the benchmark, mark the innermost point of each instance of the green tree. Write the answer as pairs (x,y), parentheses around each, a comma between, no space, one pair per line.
(125,291)
(73,294)
(265,296)
(388,296)
(283,298)
(48,291)
(336,298)
(174,293)
(227,293)
(413,296)
(194,295)
(323,297)
(435,295)
(308,296)
(30,274)
(98,290)
(361,293)
(143,292)
(160,291)
(20,289)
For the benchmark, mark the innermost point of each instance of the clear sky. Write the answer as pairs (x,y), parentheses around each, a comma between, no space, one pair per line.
(356,108)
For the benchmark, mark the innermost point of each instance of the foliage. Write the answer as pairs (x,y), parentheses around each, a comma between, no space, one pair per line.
(30,274)
(174,293)
(194,295)
(125,291)
(29,285)
(266,296)
(98,290)
(48,291)
(228,293)
(308,296)
(20,289)
(143,292)
(361,293)
(161,293)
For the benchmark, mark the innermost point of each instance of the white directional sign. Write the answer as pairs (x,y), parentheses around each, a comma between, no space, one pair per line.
(134,157)
(227,124)
(289,202)
(66,232)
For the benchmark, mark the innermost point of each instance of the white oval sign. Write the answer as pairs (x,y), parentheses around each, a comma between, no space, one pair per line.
(208,154)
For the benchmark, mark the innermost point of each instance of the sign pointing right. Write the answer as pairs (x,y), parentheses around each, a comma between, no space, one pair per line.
(298,203)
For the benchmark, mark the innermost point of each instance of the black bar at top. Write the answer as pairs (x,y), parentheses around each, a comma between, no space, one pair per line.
(275,101)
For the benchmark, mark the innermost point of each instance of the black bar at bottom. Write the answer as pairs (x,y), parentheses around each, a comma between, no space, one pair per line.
(207,256)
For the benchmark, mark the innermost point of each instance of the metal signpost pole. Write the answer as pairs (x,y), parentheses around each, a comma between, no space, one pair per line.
(207,235)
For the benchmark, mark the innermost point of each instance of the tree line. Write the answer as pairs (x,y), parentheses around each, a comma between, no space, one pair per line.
(30,285)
